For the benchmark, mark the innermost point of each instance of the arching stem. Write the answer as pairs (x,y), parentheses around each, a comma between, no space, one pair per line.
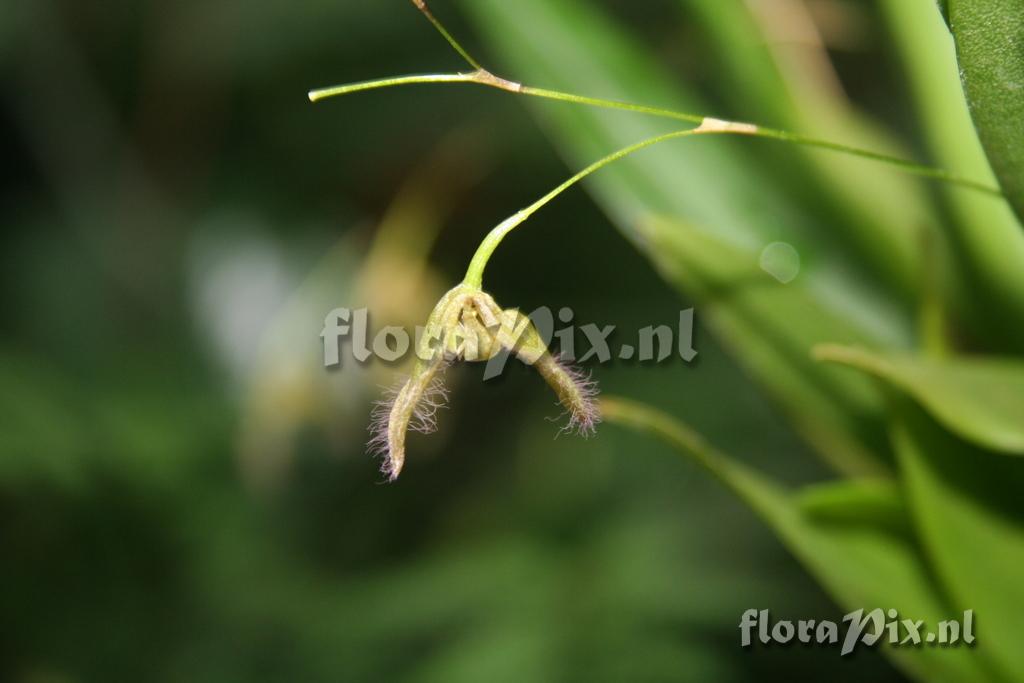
(475,272)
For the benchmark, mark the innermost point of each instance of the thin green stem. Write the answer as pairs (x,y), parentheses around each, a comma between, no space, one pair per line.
(770,133)
(324,93)
(709,126)
(911,167)
(484,77)
(611,104)
(475,272)
(421,5)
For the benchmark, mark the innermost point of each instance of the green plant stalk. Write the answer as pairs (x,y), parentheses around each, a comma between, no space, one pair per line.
(421,5)
(475,271)
(486,78)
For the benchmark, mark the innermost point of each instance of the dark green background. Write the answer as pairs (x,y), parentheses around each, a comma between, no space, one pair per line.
(160,156)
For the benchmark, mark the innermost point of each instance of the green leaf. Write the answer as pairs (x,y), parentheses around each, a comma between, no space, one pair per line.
(989,38)
(763,83)
(987,240)
(861,565)
(856,501)
(980,399)
(966,505)
(771,326)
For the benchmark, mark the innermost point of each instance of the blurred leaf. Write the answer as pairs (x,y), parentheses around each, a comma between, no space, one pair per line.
(989,38)
(987,240)
(980,399)
(856,501)
(861,566)
(768,83)
(771,327)
(966,505)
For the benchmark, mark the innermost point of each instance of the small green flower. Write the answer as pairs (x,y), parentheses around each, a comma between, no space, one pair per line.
(468,325)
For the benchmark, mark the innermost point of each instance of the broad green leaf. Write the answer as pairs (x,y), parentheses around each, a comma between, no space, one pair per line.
(989,38)
(861,565)
(966,505)
(980,399)
(771,327)
(987,240)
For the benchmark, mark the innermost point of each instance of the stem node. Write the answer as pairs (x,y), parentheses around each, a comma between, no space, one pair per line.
(485,77)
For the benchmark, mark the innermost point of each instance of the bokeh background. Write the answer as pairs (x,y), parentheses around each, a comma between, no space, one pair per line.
(184,490)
